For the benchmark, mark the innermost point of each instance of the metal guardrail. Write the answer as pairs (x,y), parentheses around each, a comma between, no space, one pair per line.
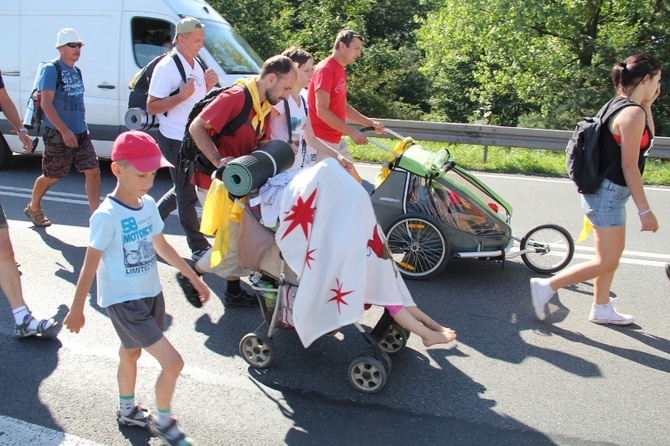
(492,135)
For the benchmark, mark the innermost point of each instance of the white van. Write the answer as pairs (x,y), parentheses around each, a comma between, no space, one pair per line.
(121,37)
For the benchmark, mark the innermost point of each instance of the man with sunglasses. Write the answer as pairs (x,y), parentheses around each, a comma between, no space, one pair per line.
(171,100)
(66,139)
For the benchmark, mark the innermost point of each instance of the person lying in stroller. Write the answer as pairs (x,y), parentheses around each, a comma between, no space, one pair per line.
(329,238)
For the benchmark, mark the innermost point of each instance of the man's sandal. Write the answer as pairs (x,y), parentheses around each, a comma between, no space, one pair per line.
(37,217)
(192,295)
(23,330)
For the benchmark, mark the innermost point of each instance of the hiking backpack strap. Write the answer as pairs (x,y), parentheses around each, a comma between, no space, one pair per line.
(59,73)
(180,66)
(182,72)
(235,123)
(605,114)
(287,111)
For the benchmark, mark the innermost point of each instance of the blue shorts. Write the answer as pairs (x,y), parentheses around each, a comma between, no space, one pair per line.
(606,207)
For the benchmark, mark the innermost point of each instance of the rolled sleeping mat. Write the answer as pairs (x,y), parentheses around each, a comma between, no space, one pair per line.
(249,172)
(139,119)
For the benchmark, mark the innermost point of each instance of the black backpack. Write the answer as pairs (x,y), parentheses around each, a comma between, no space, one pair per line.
(189,154)
(582,154)
(35,99)
(139,85)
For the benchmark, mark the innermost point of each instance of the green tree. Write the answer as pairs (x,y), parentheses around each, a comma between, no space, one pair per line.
(385,82)
(264,24)
(535,62)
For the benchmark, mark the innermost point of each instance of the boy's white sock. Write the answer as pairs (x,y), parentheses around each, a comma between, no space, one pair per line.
(164,417)
(126,404)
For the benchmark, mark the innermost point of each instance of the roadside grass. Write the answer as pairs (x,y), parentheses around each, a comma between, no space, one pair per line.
(505,159)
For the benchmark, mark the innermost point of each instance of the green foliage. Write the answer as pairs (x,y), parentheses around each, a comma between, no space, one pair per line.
(532,63)
(385,82)
(264,24)
(537,62)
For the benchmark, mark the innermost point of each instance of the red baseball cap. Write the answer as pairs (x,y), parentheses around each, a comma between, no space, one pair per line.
(140,150)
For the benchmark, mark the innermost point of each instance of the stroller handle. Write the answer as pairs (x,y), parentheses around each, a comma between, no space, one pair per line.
(446,167)
(386,130)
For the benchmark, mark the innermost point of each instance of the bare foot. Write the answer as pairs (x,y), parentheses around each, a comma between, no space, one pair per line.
(435,326)
(440,337)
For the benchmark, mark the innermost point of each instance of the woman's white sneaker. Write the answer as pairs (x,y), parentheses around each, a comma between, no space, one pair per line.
(541,293)
(607,314)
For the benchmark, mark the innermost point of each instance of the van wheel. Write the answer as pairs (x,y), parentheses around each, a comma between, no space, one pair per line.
(5,154)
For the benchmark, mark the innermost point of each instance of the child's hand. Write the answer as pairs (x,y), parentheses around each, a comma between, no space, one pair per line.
(201,287)
(74,321)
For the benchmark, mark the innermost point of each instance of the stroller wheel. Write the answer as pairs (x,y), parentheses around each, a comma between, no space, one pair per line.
(367,374)
(394,340)
(553,248)
(419,247)
(384,358)
(257,350)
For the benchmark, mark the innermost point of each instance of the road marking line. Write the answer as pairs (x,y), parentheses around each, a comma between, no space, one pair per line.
(19,433)
(30,191)
(54,196)
(628,253)
(660,264)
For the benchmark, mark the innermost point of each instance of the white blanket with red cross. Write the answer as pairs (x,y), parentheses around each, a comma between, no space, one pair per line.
(329,236)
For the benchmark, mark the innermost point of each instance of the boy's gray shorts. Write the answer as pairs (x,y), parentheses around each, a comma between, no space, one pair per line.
(3,218)
(139,323)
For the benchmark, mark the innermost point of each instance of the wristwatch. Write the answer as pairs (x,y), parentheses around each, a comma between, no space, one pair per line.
(22,130)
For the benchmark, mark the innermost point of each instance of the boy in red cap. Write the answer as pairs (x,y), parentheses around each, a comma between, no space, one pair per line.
(126,234)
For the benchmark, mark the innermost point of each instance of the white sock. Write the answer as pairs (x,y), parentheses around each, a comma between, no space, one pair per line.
(126,404)
(164,417)
(19,314)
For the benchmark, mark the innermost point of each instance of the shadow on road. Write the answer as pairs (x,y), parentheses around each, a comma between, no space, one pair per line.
(34,359)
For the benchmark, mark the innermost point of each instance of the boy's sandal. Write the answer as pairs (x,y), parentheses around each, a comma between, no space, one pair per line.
(138,416)
(170,434)
(37,217)
(192,295)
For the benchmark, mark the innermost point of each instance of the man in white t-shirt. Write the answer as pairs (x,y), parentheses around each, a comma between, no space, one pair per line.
(171,100)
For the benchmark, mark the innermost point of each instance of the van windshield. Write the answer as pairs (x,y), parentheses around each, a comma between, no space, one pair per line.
(229,49)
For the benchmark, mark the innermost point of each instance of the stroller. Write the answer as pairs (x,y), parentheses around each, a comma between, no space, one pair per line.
(433,210)
(276,285)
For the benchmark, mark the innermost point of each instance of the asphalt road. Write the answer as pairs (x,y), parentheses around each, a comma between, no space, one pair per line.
(512,380)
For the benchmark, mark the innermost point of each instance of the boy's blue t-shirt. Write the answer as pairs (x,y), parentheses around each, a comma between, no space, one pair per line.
(128,269)
(68,98)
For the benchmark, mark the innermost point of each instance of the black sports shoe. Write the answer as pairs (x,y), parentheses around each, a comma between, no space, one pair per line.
(190,292)
(243,299)
(198,253)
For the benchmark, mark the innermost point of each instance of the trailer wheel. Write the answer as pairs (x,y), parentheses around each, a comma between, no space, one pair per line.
(553,248)
(419,246)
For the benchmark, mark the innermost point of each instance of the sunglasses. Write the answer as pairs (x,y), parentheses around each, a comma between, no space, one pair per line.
(74,45)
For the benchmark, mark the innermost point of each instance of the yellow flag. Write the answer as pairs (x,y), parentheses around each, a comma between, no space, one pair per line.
(586,228)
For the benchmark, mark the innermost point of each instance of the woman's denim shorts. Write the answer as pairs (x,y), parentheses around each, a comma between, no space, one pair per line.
(606,207)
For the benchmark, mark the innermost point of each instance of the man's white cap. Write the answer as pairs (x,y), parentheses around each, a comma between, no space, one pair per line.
(67,35)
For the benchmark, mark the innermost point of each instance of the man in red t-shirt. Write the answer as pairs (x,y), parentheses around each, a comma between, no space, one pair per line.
(274,84)
(327,98)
